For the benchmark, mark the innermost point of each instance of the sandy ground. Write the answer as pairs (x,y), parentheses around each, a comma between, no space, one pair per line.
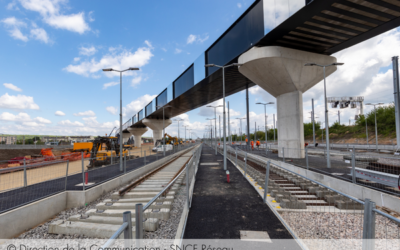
(16,179)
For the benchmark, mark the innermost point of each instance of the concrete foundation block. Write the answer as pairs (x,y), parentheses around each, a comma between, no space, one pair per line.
(348,205)
(332,198)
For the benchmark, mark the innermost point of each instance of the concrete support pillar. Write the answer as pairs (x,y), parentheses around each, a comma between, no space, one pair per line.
(290,124)
(137,133)
(281,72)
(125,137)
(157,126)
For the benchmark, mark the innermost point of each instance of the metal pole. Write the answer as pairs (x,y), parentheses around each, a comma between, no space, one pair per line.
(366,127)
(307,158)
(266,181)
(283,154)
(313,120)
(224,115)
(127,217)
(247,116)
(83,170)
(266,130)
(139,221)
(353,166)
(245,164)
(220,137)
(369,225)
(274,128)
(328,160)
(163,130)
(229,128)
(25,177)
(215,122)
(120,124)
(125,164)
(338,116)
(66,175)
(396,88)
(376,130)
(236,155)
(144,158)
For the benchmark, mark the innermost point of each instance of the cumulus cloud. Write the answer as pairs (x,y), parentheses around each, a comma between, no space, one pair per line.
(85,113)
(17,102)
(69,123)
(50,10)
(110,84)
(138,104)
(209,112)
(136,81)
(14,28)
(59,113)
(6,116)
(12,87)
(87,51)
(112,110)
(117,58)
(196,38)
(178,51)
(40,34)
(239,5)
(42,120)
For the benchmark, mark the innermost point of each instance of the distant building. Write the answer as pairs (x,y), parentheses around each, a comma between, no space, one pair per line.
(8,139)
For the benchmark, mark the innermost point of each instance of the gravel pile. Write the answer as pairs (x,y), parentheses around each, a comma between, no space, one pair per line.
(339,226)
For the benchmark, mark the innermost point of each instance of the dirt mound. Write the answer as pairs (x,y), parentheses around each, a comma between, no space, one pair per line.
(6,154)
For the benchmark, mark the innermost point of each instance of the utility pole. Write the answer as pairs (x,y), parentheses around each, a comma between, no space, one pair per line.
(396,91)
(338,116)
(313,120)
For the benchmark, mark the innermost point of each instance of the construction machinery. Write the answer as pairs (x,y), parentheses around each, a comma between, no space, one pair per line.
(102,150)
(172,140)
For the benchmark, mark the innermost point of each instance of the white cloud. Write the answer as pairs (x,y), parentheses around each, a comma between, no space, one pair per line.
(191,39)
(196,38)
(42,120)
(59,113)
(148,44)
(85,113)
(40,34)
(138,104)
(76,59)
(12,87)
(50,10)
(112,110)
(209,112)
(69,123)
(87,51)
(110,84)
(239,5)
(14,28)
(136,81)
(17,102)
(164,49)
(90,16)
(118,59)
(5,116)
(178,51)
(32,124)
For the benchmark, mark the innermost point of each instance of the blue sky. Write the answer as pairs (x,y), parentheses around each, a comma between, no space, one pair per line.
(53,50)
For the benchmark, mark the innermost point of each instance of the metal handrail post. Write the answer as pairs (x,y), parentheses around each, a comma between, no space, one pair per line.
(25,177)
(353,167)
(83,172)
(369,225)
(124,164)
(245,164)
(66,175)
(283,154)
(307,158)
(236,155)
(127,217)
(266,181)
(139,222)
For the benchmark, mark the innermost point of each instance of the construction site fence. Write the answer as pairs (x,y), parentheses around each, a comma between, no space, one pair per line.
(189,175)
(318,216)
(36,179)
(26,146)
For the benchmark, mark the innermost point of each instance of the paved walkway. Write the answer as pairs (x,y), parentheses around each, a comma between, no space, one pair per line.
(220,209)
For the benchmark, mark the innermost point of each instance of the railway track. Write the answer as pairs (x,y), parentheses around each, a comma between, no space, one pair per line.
(107,217)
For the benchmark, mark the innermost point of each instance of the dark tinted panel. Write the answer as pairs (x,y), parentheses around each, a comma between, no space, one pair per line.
(184,82)
(149,109)
(140,115)
(134,119)
(162,99)
(238,39)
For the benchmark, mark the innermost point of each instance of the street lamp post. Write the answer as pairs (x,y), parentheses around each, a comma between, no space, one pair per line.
(223,94)
(185,131)
(163,115)
(265,114)
(215,117)
(326,109)
(241,133)
(120,112)
(178,128)
(376,125)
